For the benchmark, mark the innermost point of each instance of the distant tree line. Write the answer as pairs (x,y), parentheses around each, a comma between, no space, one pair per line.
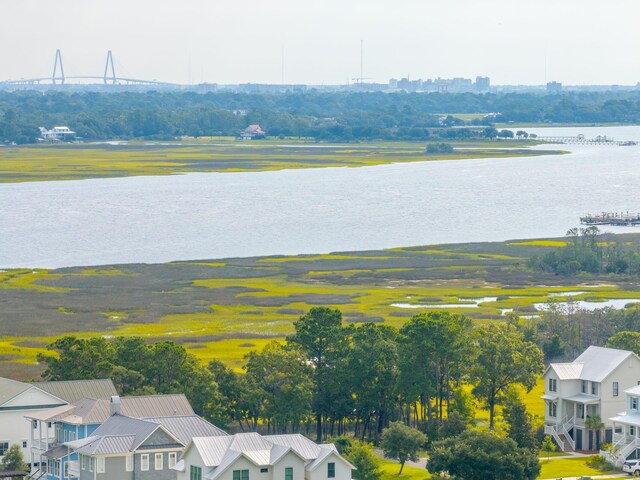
(589,251)
(345,116)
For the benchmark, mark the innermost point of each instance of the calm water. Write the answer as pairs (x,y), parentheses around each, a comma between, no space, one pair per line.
(213,215)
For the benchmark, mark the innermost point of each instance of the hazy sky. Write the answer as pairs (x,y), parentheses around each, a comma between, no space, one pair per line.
(224,41)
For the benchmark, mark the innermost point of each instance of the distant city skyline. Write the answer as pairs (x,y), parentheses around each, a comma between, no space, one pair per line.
(575,42)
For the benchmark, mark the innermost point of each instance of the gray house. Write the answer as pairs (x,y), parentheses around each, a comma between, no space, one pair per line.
(126,448)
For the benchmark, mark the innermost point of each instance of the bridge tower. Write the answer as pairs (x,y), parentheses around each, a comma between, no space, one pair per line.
(54,77)
(109,66)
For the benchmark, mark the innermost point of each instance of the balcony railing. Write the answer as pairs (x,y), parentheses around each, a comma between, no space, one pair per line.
(43,444)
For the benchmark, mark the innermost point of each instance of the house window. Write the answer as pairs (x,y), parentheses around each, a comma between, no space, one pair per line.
(288,473)
(633,403)
(264,470)
(4,446)
(91,463)
(129,463)
(83,462)
(100,465)
(583,386)
(552,409)
(594,388)
(553,385)
(581,410)
(56,468)
(331,470)
(172,459)
(158,461)
(632,430)
(241,475)
(615,389)
(24,444)
(195,473)
(144,462)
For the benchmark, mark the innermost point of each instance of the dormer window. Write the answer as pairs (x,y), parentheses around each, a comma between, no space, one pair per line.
(553,385)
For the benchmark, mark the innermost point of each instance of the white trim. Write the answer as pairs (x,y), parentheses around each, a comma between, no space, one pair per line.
(129,462)
(144,458)
(100,464)
(158,461)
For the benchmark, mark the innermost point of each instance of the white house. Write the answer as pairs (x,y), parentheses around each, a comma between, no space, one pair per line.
(18,399)
(626,426)
(251,456)
(581,394)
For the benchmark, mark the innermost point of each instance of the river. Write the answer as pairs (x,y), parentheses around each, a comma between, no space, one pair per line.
(217,215)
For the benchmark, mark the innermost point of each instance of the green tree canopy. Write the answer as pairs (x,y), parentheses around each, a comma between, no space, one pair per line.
(478,455)
(13,460)
(504,359)
(401,442)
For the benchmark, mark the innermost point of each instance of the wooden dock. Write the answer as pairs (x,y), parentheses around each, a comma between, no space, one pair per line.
(622,219)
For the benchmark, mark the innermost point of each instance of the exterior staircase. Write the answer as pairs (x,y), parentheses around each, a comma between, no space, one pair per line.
(560,433)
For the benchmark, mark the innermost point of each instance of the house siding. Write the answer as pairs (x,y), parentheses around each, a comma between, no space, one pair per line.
(289,460)
(152,473)
(343,471)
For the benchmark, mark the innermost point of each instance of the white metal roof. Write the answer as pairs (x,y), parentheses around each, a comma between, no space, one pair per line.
(583,398)
(594,364)
(633,390)
(600,362)
(568,371)
(633,419)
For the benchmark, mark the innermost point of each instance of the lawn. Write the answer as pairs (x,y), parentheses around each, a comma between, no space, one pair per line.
(568,467)
(390,472)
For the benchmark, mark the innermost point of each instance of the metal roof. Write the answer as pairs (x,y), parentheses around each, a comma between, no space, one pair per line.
(73,390)
(219,453)
(583,398)
(118,425)
(56,452)
(51,414)
(633,390)
(633,419)
(109,445)
(88,411)
(10,389)
(184,428)
(600,362)
(567,371)
(594,364)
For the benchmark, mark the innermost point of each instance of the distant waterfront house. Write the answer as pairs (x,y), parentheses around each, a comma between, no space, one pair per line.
(81,419)
(126,448)
(19,399)
(252,132)
(582,396)
(56,134)
(251,456)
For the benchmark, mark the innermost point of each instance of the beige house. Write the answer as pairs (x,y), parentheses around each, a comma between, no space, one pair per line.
(251,456)
(587,392)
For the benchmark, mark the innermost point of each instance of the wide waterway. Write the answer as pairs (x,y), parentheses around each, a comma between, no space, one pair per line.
(216,215)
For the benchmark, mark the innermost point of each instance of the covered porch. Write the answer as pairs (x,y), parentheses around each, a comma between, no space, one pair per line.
(626,439)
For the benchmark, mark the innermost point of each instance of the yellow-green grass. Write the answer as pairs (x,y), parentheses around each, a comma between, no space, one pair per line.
(390,471)
(233,302)
(568,467)
(72,162)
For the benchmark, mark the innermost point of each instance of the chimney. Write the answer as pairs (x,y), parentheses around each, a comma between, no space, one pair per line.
(115,405)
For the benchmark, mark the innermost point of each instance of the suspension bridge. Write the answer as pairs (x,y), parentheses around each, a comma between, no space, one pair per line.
(58,77)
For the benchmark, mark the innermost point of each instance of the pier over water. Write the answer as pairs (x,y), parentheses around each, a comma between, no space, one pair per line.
(623,219)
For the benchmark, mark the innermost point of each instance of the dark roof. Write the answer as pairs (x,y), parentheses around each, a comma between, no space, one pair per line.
(73,390)
(13,473)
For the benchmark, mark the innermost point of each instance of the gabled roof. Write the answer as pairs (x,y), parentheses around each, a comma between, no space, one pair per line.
(10,389)
(119,425)
(219,453)
(73,390)
(185,428)
(109,445)
(594,364)
(89,411)
(567,371)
